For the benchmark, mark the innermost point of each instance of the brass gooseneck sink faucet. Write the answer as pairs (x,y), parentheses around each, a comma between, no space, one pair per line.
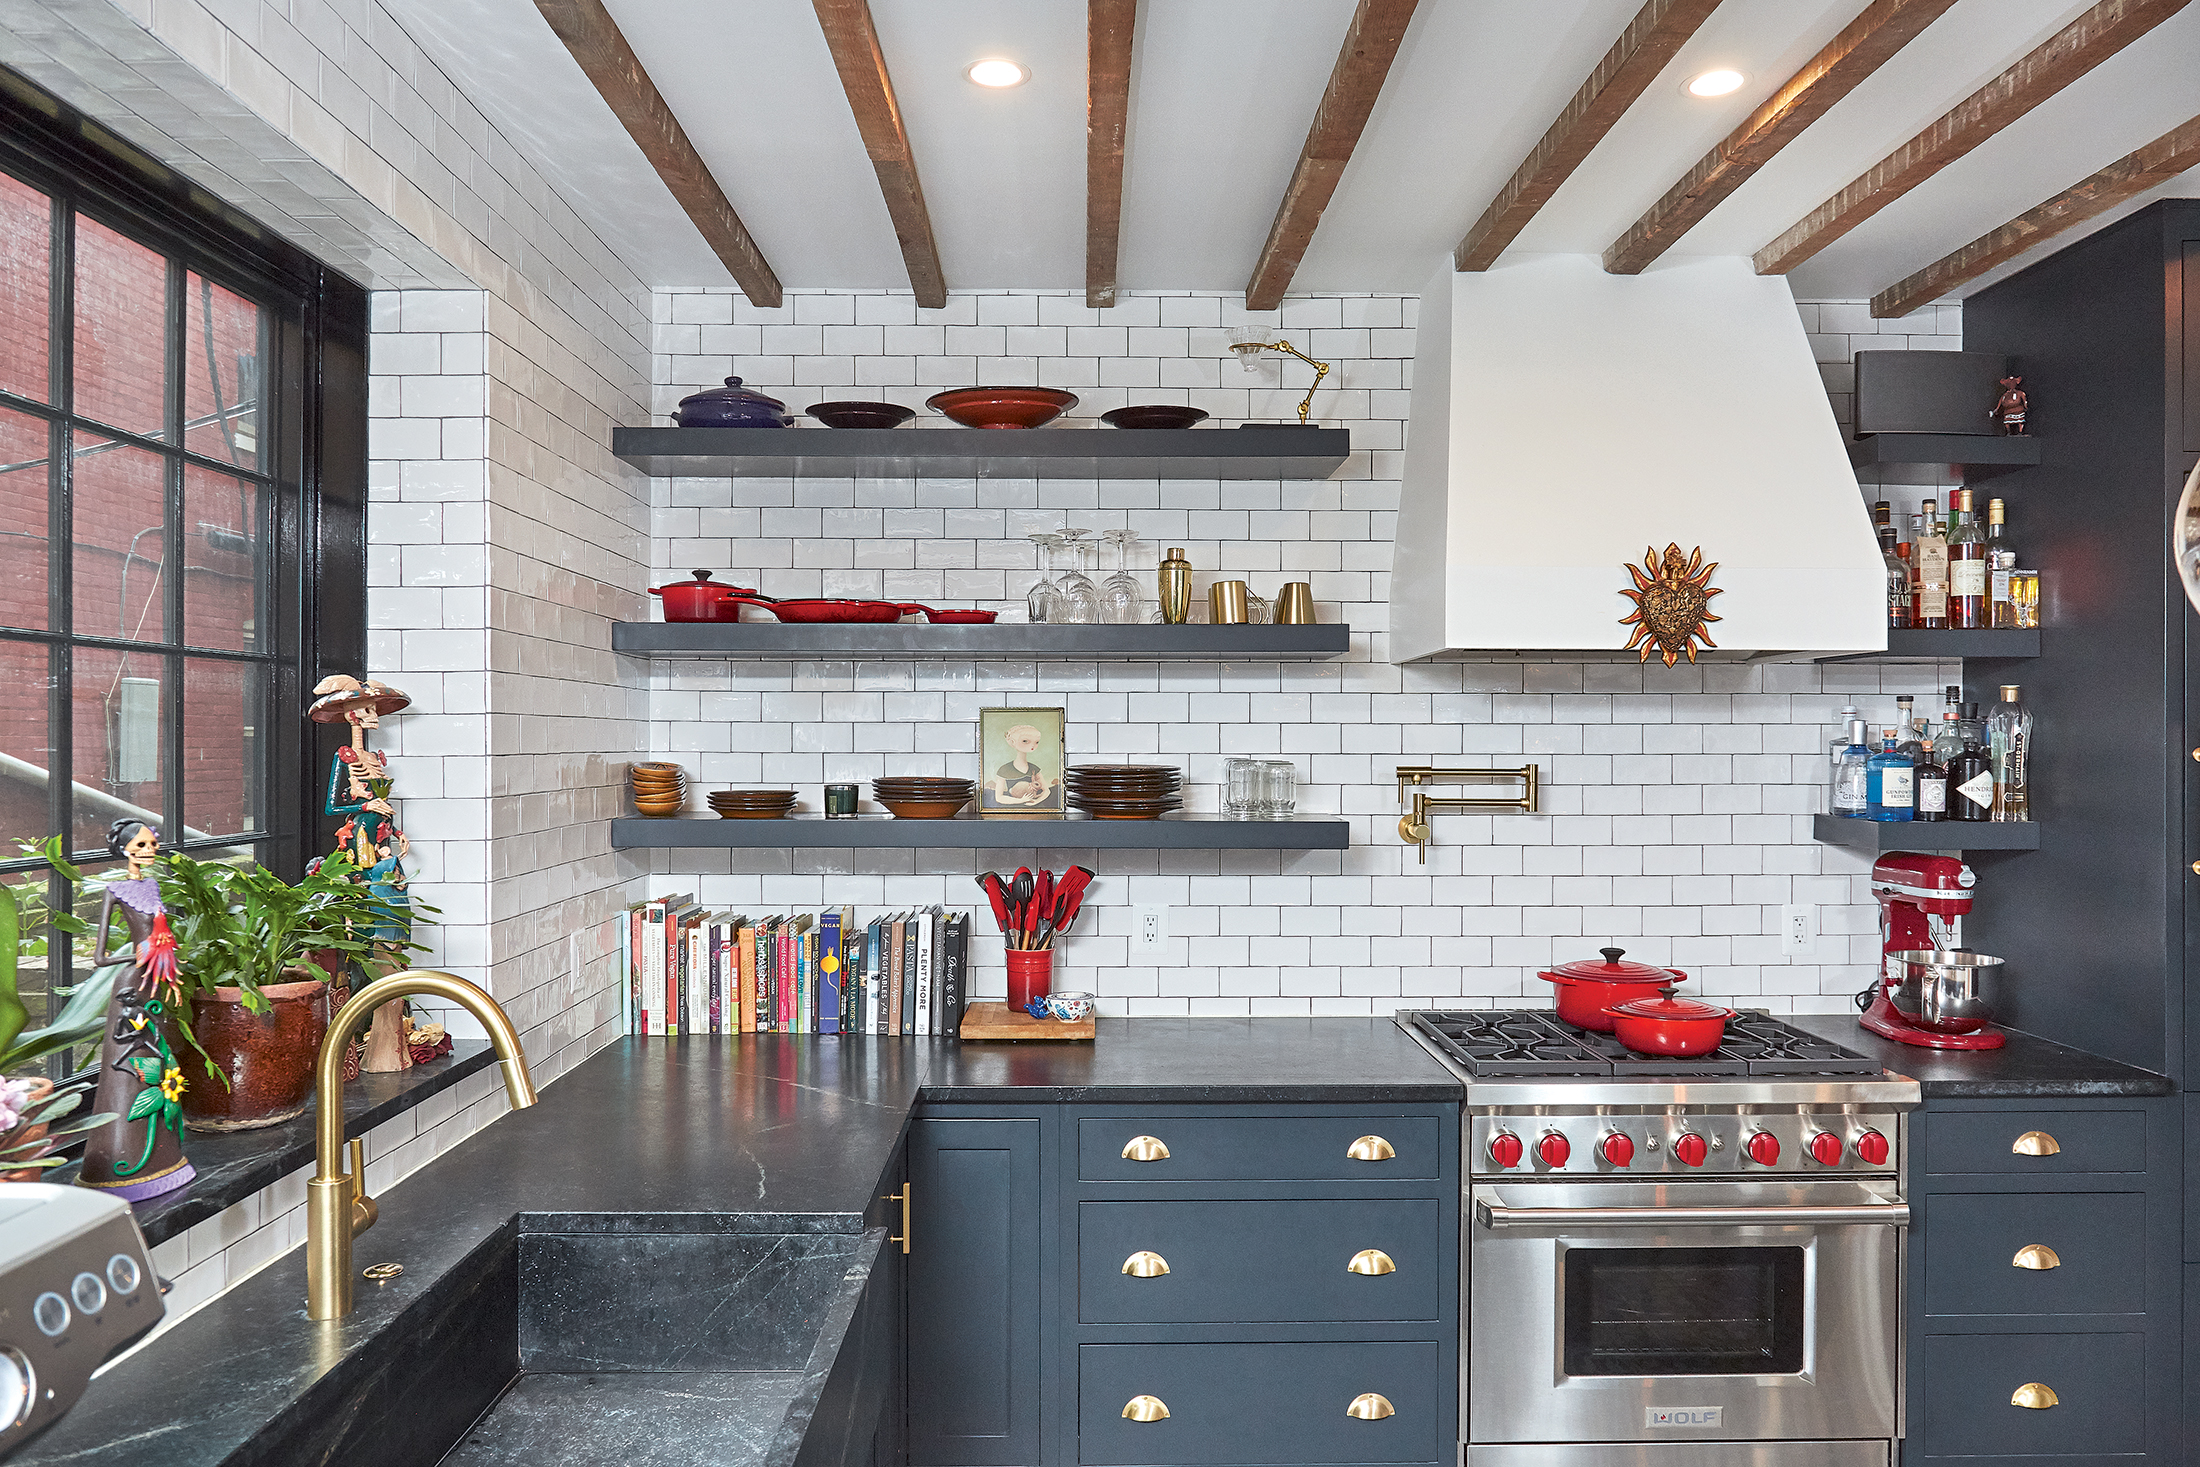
(338,1208)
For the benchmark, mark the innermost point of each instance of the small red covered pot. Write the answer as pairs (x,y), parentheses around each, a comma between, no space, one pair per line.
(700,599)
(1670,1026)
(1587,989)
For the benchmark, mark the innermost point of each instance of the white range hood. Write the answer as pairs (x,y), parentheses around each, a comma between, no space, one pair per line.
(1565,420)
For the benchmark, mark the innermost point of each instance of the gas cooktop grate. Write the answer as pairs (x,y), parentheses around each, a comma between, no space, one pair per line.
(1531,1042)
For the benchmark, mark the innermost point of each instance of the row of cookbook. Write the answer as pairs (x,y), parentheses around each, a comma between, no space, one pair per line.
(689,971)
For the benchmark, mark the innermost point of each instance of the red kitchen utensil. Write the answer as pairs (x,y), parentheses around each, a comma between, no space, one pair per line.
(1670,1026)
(1586,989)
(996,892)
(952,616)
(701,599)
(828,609)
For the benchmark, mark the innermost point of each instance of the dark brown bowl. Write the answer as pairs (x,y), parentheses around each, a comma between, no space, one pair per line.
(1002,407)
(1153,415)
(861,414)
(924,809)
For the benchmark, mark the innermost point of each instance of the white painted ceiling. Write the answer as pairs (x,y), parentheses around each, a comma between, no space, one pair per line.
(1223,91)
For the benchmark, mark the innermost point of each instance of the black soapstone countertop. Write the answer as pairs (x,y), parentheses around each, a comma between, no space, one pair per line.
(2027,1067)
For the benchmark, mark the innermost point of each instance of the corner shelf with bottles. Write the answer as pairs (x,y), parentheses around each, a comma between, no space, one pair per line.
(1954,587)
(1962,784)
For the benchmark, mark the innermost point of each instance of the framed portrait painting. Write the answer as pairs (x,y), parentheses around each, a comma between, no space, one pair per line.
(1020,760)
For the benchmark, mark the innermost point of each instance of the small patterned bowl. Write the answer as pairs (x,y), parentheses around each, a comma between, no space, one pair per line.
(1070,1007)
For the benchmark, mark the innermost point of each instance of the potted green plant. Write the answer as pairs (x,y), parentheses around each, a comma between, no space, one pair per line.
(34,1116)
(258,1003)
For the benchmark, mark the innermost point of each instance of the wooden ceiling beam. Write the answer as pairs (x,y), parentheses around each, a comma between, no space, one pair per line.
(2174,152)
(2068,55)
(1110,28)
(1866,44)
(1370,45)
(853,40)
(1658,30)
(596,42)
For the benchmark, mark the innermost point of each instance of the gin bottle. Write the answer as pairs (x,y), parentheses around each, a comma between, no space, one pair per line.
(1890,782)
(2009,749)
(1851,775)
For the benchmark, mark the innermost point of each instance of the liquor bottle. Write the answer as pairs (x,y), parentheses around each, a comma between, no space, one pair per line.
(1966,566)
(2009,752)
(2001,561)
(1931,559)
(1907,729)
(1948,738)
(1890,781)
(1841,739)
(1970,773)
(1932,787)
(1852,775)
(1898,579)
(1909,553)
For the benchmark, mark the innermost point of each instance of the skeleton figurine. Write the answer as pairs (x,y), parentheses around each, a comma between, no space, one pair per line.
(2011,408)
(359,789)
(140,1079)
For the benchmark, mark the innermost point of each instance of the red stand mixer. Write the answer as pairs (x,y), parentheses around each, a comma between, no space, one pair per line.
(1922,903)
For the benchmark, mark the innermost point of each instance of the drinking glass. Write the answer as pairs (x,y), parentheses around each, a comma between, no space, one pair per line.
(1122,601)
(1279,789)
(1042,603)
(1245,782)
(1080,598)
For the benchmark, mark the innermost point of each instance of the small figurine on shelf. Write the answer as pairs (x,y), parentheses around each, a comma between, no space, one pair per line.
(140,1079)
(359,789)
(2010,408)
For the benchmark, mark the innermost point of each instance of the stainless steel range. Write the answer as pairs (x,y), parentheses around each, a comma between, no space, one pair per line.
(1676,1262)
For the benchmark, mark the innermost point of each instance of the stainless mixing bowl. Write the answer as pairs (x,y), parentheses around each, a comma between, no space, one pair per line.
(1940,991)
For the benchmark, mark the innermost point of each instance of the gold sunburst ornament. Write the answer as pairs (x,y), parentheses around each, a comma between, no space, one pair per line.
(1672,603)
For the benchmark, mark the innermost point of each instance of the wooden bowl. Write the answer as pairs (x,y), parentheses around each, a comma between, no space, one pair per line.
(925,809)
(861,414)
(1153,415)
(1002,407)
(761,812)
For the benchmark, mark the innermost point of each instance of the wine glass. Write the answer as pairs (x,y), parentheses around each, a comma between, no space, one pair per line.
(1122,600)
(1080,597)
(1043,602)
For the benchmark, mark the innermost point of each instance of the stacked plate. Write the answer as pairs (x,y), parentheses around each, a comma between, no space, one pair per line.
(752,804)
(659,789)
(921,796)
(1124,791)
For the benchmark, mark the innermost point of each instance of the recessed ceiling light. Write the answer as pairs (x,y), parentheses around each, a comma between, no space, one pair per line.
(1715,83)
(999,71)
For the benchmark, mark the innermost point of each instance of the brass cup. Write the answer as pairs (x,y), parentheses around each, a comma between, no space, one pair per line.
(1295,605)
(1226,603)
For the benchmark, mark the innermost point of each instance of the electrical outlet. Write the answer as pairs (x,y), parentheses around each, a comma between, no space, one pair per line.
(1150,929)
(1798,929)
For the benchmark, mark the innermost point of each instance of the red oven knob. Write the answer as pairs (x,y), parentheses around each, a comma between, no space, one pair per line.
(1505,1149)
(1871,1147)
(1554,1149)
(1618,1150)
(1764,1148)
(1690,1148)
(1825,1149)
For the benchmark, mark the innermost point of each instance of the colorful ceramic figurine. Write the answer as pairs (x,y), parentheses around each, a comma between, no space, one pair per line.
(359,789)
(140,1078)
(2010,409)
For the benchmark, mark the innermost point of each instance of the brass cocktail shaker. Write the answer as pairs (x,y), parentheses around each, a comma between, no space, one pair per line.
(1176,588)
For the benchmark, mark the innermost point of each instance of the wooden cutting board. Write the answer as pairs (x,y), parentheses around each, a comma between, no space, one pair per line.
(993,1019)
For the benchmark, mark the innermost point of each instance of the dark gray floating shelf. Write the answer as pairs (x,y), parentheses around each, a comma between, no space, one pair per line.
(1939,458)
(966,832)
(1876,836)
(984,453)
(1012,641)
(1919,645)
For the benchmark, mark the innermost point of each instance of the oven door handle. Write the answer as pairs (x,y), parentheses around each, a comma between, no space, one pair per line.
(1493,1214)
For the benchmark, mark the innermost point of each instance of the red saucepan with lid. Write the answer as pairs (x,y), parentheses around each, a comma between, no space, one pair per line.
(1586,989)
(1669,1025)
(700,599)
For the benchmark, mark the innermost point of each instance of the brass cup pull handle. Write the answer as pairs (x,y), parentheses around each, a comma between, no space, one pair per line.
(1370,1148)
(1372,1407)
(2036,1256)
(1371,1261)
(1153,1408)
(2035,1143)
(1145,1148)
(2033,1396)
(1145,1264)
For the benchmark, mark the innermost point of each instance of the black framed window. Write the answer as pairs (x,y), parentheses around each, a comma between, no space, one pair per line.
(182,474)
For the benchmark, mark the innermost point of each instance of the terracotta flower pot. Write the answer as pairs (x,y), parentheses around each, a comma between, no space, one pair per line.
(267,1057)
(40,1089)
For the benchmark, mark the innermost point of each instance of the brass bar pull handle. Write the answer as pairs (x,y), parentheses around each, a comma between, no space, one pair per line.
(1145,1264)
(2033,1396)
(903,1198)
(1371,1148)
(1145,1408)
(1371,1261)
(2036,1256)
(1371,1407)
(1145,1148)
(2036,1143)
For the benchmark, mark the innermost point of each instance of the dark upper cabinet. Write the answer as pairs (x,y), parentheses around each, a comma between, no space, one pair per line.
(973,1292)
(2094,924)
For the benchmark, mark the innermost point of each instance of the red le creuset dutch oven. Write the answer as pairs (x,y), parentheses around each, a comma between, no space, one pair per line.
(1670,1026)
(1586,989)
(699,599)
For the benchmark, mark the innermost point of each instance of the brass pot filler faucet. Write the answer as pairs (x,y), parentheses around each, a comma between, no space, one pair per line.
(338,1208)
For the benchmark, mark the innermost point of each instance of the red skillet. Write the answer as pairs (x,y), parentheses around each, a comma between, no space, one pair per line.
(828,609)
